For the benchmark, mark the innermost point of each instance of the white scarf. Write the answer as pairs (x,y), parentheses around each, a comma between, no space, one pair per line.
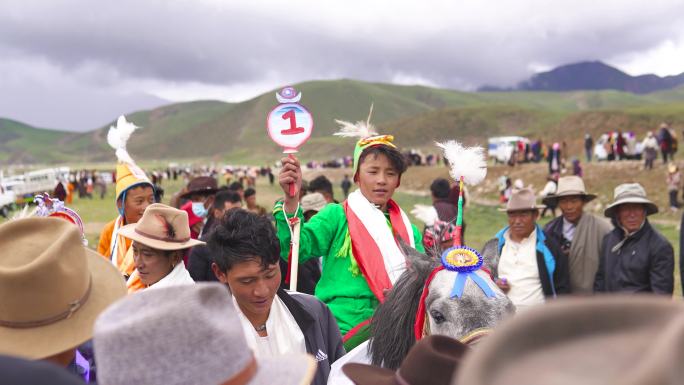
(178,276)
(375,223)
(284,335)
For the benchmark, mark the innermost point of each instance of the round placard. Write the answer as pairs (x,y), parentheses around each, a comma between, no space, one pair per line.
(289,125)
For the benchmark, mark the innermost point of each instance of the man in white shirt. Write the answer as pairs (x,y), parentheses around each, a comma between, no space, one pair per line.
(529,266)
(246,252)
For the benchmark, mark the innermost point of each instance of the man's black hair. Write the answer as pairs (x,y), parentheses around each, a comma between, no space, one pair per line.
(396,158)
(249,192)
(320,184)
(440,188)
(235,186)
(242,236)
(225,196)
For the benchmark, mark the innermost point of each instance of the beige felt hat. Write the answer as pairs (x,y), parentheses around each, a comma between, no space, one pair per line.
(51,287)
(630,193)
(313,201)
(161,227)
(522,200)
(569,186)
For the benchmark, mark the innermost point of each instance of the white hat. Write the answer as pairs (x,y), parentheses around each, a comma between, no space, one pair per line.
(630,193)
(185,335)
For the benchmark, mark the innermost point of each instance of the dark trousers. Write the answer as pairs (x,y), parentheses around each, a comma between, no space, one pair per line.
(665,154)
(673,199)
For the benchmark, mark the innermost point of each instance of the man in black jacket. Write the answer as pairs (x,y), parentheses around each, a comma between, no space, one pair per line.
(275,322)
(635,257)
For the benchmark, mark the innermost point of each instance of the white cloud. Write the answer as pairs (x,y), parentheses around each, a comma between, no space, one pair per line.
(214,49)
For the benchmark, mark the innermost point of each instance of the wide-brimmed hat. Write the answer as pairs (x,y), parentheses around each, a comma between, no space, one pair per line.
(161,227)
(185,335)
(313,201)
(522,200)
(51,287)
(432,360)
(569,186)
(201,185)
(618,339)
(630,193)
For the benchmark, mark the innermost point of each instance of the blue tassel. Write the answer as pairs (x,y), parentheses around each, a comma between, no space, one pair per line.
(459,285)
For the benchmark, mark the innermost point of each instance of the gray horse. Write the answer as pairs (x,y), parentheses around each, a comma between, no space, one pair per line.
(392,326)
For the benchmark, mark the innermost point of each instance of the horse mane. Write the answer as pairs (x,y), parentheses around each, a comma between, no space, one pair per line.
(391,327)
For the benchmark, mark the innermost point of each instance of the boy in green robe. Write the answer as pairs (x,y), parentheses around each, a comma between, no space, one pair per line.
(359,238)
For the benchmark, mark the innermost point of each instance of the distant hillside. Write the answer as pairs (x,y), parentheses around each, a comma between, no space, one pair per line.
(21,143)
(212,130)
(598,76)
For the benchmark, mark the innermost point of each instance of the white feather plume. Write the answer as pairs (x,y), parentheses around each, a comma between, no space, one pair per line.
(359,129)
(118,136)
(425,213)
(466,162)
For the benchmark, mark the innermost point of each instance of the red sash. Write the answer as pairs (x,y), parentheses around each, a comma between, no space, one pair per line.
(366,251)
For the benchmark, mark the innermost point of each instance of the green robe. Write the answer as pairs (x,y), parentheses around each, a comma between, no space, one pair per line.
(342,286)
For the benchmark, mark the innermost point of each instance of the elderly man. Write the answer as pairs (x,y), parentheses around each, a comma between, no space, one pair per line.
(530,266)
(635,257)
(579,234)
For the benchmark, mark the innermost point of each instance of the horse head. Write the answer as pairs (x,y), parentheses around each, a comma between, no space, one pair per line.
(465,318)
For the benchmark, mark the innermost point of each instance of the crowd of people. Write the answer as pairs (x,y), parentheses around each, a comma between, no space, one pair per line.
(195,292)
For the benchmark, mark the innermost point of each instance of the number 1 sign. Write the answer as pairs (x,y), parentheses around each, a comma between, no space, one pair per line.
(289,123)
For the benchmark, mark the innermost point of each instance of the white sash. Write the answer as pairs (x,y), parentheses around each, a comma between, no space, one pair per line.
(375,223)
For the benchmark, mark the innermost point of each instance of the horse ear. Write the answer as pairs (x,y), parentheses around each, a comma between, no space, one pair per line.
(416,260)
(490,256)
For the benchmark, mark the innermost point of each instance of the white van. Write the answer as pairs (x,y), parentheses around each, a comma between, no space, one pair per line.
(501,148)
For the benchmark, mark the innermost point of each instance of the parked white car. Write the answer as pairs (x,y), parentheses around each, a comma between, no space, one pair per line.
(501,148)
(7,199)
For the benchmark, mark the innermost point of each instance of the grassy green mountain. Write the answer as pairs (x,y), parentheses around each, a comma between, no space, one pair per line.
(416,115)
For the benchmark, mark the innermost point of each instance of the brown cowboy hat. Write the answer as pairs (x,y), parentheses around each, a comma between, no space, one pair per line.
(569,186)
(161,227)
(432,360)
(617,339)
(522,200)
(51,287)
(201,185)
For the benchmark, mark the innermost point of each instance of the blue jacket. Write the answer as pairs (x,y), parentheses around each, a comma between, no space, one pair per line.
(552,263)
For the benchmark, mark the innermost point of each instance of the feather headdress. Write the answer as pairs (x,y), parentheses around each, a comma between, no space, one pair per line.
(359,129)
(466,162)
(425,213)
(118,136)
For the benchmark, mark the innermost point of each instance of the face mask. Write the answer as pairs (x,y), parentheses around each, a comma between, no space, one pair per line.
(199,209)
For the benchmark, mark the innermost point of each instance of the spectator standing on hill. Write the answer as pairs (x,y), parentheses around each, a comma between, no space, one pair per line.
(665,138)
(620,144)
(554,159)
(549,190)
(346,185)
(588,146)
(650,145)
(674,183)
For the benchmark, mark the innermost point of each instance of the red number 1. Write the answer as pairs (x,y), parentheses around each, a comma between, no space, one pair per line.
(293,130)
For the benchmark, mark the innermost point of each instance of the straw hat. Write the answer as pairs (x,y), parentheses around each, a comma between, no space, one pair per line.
(313,201)
(51,287)
(569,186)
(672,168)
(432,360)
(630,193)
(618,339)
(522,200)
(185,335)
(161,227)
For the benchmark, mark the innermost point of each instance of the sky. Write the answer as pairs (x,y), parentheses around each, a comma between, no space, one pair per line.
(78,64)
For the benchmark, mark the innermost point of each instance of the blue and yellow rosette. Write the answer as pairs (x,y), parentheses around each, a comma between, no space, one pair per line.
(465,262)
